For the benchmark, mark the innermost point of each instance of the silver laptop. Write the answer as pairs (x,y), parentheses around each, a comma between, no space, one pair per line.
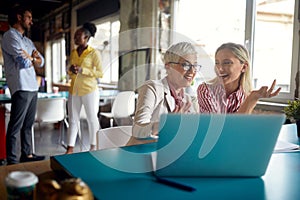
(231,145)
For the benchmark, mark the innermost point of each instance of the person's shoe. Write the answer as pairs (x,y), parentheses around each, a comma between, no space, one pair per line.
(30,159)
(2,162)
(11,163)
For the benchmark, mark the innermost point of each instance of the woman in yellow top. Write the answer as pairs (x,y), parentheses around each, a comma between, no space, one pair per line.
(84,70)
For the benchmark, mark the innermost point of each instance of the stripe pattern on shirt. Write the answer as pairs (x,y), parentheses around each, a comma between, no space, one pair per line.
(212,99)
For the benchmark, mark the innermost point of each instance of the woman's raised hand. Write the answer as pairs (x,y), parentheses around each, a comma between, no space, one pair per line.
(266,92)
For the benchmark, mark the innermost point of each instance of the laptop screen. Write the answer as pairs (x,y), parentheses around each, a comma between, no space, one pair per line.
(216,144)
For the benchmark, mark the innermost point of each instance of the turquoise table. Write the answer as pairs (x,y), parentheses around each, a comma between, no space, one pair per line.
(107,174)
(104,95)
(4,98)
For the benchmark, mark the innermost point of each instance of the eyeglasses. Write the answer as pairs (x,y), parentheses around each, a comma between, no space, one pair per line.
(188,66)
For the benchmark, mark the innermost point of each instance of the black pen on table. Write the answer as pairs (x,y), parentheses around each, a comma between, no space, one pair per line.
(166,181)
(174,184)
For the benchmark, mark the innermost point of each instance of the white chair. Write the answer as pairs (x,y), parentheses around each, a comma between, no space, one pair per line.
(52,110)
(118,136)
(113,137)
(7,109)
(123,106)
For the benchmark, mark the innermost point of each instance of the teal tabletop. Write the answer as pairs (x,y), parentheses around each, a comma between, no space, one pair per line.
(113,175)
(4,98)
(104,94)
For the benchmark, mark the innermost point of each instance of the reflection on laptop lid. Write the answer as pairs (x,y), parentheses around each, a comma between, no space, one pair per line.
(231,145)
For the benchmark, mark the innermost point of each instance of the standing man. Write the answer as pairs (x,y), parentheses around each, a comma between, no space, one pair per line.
(20,60)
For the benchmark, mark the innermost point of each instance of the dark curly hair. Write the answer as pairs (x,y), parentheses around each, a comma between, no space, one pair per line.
(89,29)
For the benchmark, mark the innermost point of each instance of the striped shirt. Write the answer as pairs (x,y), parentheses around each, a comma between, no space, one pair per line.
(19,72)
(177,97)
(212,99)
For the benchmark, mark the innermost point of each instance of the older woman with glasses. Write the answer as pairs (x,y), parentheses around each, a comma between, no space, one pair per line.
(167,95)
(231,91)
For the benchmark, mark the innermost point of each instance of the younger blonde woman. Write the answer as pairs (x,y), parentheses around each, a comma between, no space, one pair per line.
(231,90)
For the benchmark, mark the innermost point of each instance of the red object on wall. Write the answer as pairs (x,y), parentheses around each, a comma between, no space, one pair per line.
(2,133)
(4,26)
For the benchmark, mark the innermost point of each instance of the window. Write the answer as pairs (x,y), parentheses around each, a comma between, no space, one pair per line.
(216,22)
(266,27)
(106,41)
(56,61)
(273,45)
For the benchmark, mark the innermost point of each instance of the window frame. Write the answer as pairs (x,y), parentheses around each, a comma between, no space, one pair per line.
(249,42)
(283,97)
(57,62)
(111,19)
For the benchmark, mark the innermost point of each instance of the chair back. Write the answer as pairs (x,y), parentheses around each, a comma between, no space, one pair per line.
(124,104)
(117,136)
(50,109)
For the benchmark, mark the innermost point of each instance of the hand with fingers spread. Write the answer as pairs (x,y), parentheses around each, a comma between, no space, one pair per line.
(264,92)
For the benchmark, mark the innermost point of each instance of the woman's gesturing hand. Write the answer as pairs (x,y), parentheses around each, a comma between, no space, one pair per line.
(266,92)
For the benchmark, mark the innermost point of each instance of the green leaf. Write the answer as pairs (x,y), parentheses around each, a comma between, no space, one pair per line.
(292,110)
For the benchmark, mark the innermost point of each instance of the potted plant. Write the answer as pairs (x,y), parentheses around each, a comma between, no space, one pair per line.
(292,112)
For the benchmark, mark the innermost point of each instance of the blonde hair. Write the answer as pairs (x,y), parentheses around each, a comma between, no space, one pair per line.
(241,53)
(176,51)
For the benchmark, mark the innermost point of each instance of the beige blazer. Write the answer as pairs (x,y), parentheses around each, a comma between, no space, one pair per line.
(154,99)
